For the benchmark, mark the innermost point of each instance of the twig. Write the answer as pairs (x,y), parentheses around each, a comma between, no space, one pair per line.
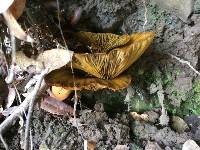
(31,105)
(15,115)
(59,23)
(184,62)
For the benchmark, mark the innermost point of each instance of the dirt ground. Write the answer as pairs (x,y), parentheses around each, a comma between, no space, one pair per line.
(105,115)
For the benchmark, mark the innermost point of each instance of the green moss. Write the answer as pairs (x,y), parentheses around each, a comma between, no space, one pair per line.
(192,104)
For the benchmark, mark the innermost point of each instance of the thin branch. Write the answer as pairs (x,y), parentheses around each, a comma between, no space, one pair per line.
(59,23)
(15,115)
(31,105)
(185,62)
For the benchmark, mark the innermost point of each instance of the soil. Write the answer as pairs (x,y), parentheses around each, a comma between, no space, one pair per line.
(104,117)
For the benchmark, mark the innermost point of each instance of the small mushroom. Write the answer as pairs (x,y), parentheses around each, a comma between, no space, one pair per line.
(60,93)
(109,65)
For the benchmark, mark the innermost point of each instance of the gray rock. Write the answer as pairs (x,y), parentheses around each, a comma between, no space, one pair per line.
(190,145)
(181,8)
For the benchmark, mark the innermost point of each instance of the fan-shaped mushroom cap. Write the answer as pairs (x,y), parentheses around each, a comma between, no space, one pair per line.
(64,78)
(102,42)
(110,65)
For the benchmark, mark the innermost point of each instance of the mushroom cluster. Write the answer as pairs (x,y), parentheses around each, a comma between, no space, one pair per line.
(110,55)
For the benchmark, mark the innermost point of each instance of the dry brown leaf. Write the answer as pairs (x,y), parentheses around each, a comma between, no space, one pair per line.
(64,78)
(55,58)
(102,42)
(52,59)
(60,93)
(17,8)
(110,65)
(15,28)
(54,106)
(24,62)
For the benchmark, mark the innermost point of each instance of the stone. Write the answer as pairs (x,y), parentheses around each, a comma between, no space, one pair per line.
(190,145)
(181,8)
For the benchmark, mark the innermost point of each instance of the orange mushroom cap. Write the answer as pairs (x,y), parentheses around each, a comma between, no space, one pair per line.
(102,42)
(110,65)
(64,78)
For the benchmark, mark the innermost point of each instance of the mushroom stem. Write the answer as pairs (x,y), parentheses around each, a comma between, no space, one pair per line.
(60,93)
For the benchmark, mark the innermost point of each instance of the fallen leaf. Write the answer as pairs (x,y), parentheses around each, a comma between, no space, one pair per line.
(52,59)
(17,8)
(15,28)
(55,58)
(64,78)
(110,65)
(5,4)
(56,107)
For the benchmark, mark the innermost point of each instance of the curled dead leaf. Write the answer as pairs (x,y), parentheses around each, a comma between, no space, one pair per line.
(52,59)
(17,8)
(64,78)
(15,28)
(110,65)
(56,107)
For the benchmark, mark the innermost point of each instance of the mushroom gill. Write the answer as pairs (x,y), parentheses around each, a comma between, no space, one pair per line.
(63,77)
(110,65)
